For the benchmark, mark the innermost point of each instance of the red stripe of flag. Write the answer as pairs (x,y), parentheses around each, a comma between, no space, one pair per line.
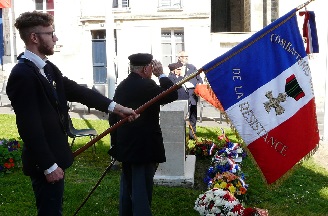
(292,138)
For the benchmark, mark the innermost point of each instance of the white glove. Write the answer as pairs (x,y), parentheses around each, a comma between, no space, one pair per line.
(189,85)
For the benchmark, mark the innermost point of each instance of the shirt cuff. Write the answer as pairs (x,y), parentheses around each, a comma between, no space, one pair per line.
(111,106)
(51,169)
(162,75)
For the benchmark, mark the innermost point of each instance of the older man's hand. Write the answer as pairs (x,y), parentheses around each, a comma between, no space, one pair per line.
(125,112)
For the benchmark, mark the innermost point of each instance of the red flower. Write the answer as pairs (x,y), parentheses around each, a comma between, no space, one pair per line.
(210,206)
(238,208)
(11,160)
(7,165)
(229,197)
(249,211)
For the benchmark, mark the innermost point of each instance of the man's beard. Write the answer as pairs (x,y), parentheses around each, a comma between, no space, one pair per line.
(45,49)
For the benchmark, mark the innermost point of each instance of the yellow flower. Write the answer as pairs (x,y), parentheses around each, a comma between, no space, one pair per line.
(223,185)
(232,189)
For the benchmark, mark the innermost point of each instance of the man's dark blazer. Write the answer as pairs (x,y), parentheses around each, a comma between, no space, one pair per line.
(183,93)
(41,117)
(190,69)
(140,141)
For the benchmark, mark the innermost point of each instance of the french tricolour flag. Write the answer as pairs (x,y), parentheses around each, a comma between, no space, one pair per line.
(310,32)
(264,84)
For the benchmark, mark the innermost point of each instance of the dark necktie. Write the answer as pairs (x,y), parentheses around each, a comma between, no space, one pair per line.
(47,69)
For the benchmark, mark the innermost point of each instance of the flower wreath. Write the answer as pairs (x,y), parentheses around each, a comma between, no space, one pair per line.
(218,202)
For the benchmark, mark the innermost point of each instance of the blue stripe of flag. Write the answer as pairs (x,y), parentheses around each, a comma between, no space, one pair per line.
(255,61)
(314,36)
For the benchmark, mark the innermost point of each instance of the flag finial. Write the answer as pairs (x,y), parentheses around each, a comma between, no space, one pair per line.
(304,5)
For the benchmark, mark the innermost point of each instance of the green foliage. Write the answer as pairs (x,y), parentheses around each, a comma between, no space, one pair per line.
(305,192)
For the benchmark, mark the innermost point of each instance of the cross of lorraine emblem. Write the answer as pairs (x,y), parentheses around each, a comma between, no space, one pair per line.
(275,102)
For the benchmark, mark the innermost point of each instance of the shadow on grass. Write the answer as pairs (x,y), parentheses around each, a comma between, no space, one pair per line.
(304,192)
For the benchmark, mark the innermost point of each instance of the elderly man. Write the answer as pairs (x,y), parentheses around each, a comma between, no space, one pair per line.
(186,70)
(175,76)
(39,94)
(139,144)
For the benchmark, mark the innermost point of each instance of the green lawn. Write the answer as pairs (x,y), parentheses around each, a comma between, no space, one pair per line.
(304,193)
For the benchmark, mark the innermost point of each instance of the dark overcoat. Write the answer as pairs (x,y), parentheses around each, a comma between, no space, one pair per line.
(41,116)
(140,141)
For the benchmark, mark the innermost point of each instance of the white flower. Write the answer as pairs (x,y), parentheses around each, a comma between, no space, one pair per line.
(239,150)
(213,202)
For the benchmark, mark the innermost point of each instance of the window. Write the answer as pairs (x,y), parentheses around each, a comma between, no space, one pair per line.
(45,6)
(177,4)
(98,34)
(120,3)
(235,15)
(220,16)
(172,42)
(230,16)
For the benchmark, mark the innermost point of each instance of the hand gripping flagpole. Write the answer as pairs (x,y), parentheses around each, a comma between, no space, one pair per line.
(138,111)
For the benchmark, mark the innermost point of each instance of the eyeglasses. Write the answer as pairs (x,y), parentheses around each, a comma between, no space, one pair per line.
(47,33)
(184,56)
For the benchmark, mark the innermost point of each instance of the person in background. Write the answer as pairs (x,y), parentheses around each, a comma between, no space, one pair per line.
(186,70)
(39,94)
(175,77)
(139,144)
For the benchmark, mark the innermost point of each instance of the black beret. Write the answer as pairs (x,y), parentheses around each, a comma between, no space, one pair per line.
(174,66)
(140,59)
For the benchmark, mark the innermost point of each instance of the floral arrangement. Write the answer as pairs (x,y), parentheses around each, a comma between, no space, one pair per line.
(230,182)
(231,150)
(10,155)
(218,202)
(204,148)
(226,183)
(221,164)
(234,151)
